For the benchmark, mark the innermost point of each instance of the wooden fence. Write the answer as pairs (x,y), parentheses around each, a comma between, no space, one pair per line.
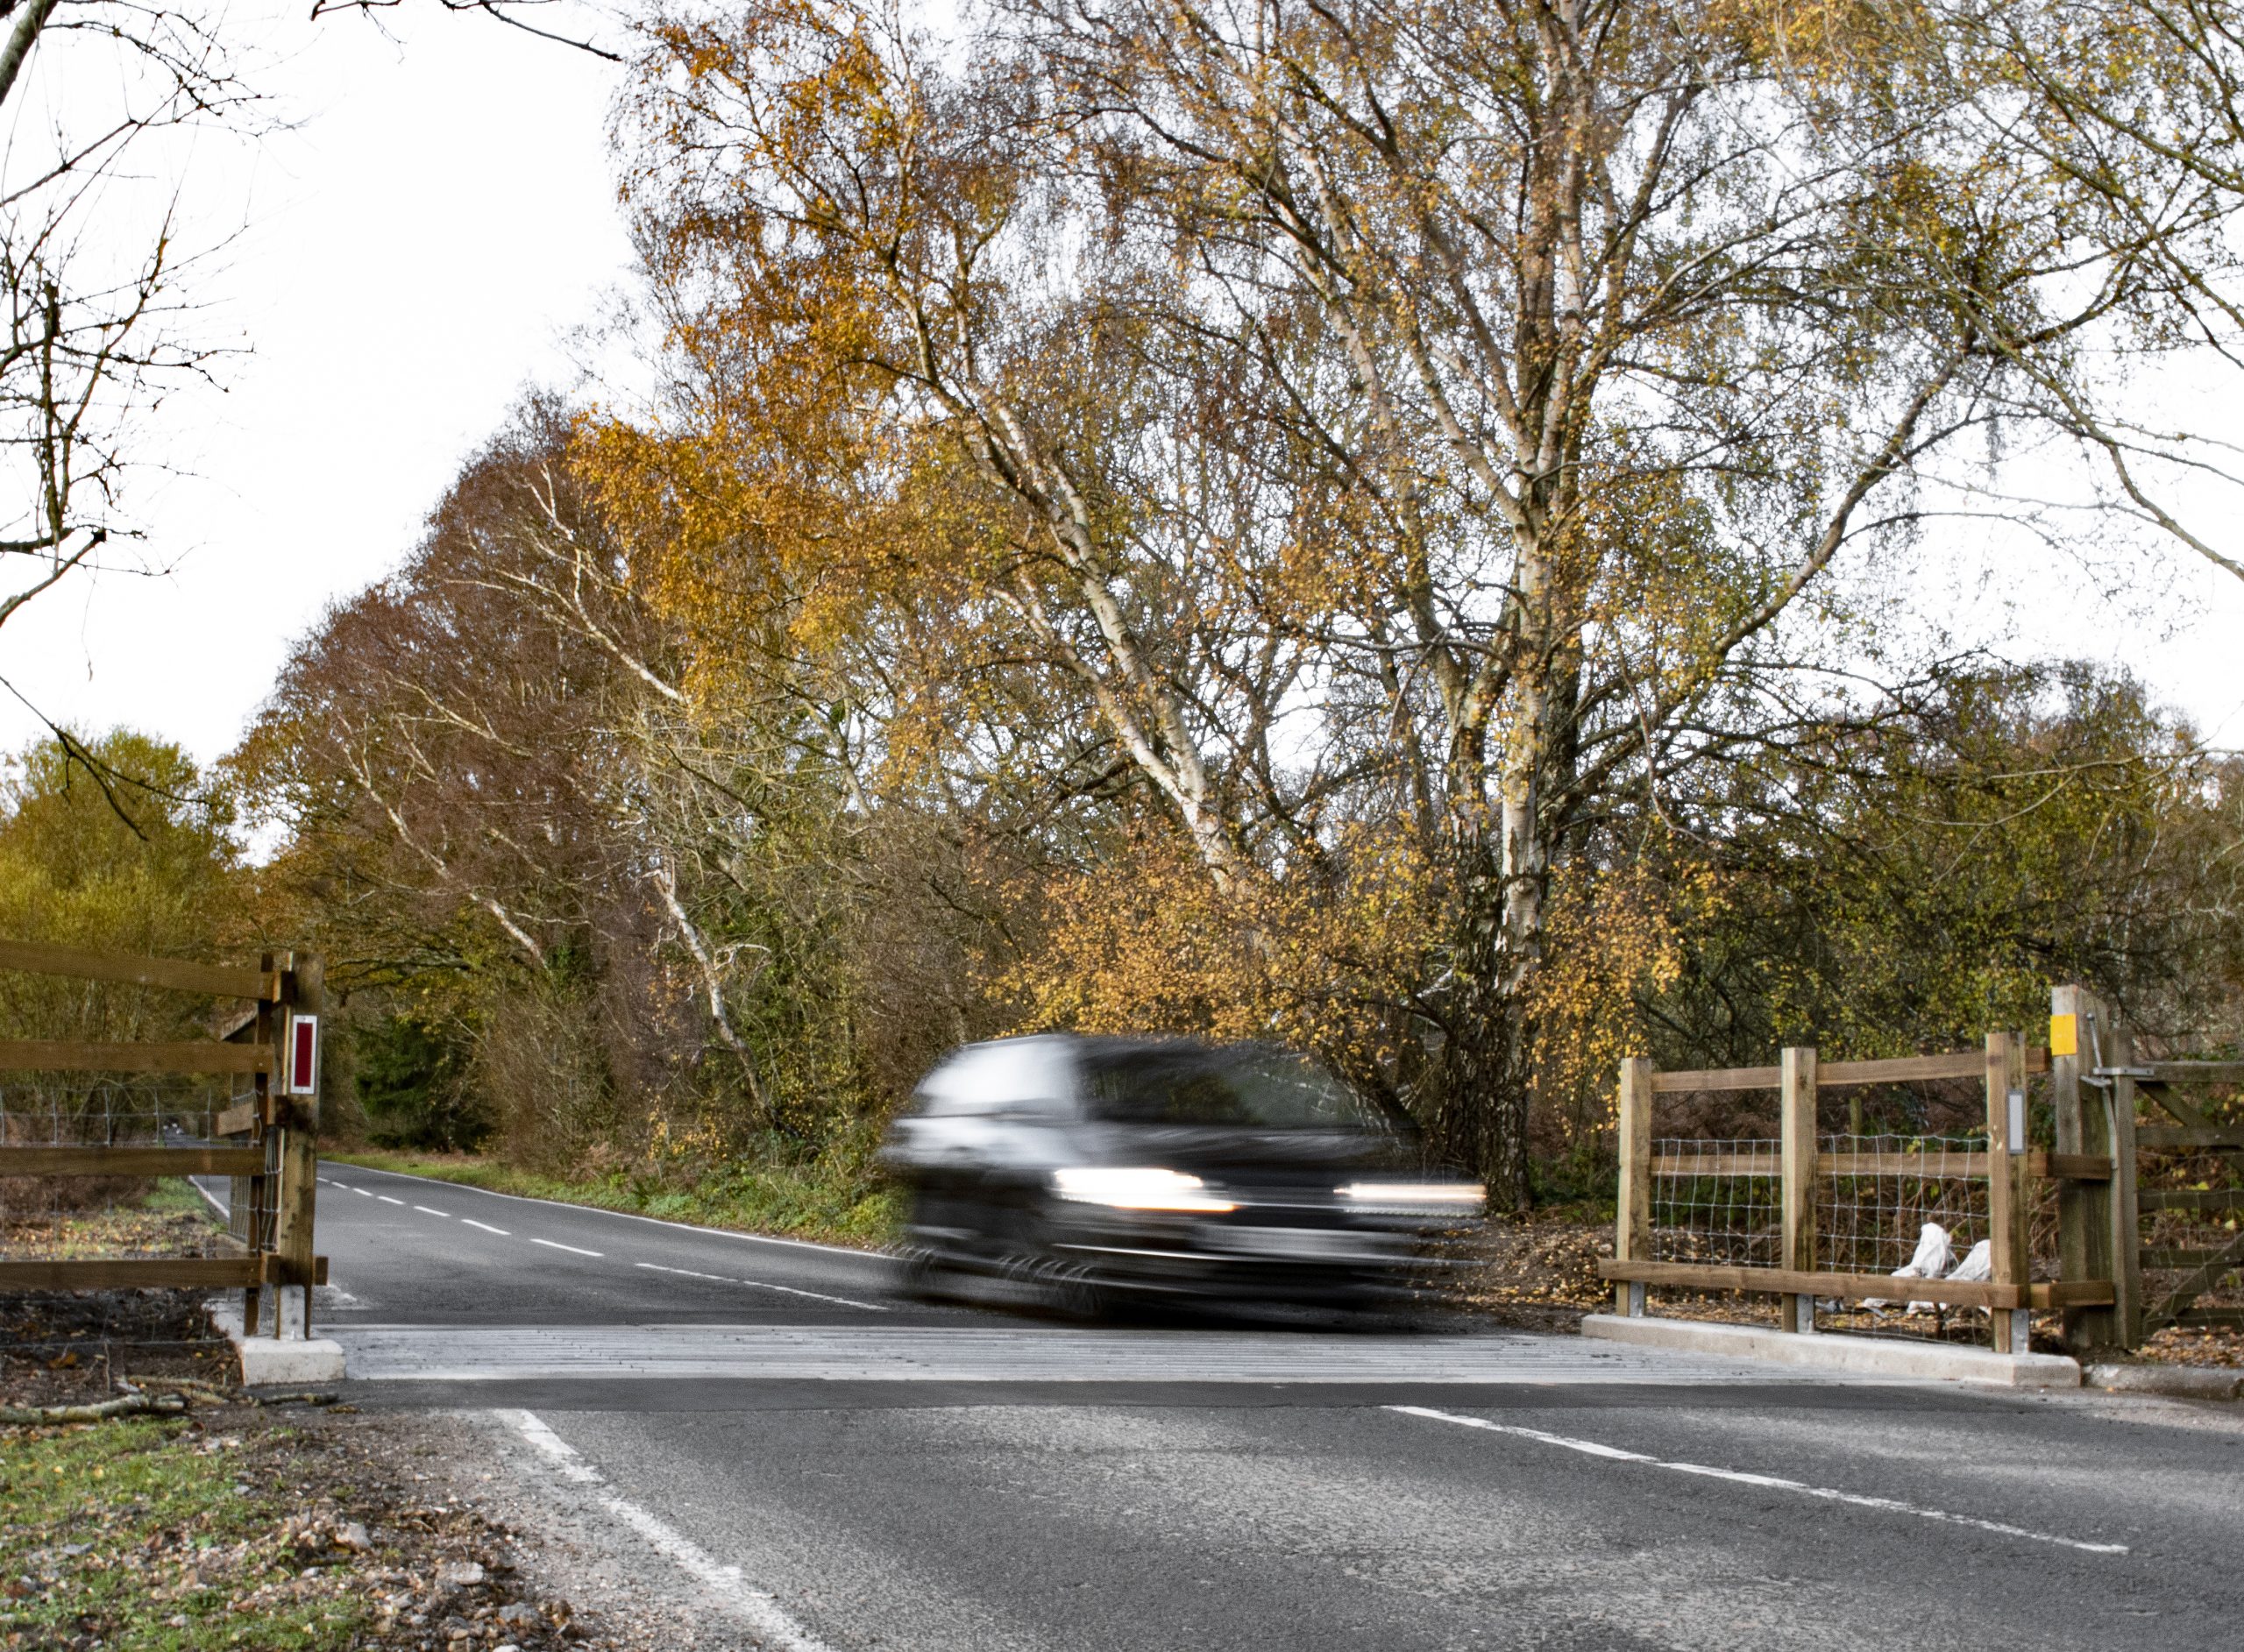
(2007,1165)
(271,1147)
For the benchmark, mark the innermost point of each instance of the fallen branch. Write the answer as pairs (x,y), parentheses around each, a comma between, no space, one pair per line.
(195,1387)
(125,1405)
(211,1391)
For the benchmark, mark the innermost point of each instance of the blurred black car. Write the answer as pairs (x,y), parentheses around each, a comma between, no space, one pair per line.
(1098,1168)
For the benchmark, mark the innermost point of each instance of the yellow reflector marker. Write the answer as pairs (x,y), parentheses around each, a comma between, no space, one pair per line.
(2065,1035)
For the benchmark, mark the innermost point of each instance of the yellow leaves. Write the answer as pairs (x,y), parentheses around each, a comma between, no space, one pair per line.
(1824,41)
(1614,937)
(1314,959)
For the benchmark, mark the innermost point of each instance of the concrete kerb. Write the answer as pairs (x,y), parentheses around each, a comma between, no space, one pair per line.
(1859,1356)
(2175,1382)
(292,1359)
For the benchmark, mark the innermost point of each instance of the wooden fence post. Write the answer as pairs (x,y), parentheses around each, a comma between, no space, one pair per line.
(258,1187)
(2007,1209)
(298,1117)
(1632,1209)
(2117,1046)
(1796,1083)
(2084,1225)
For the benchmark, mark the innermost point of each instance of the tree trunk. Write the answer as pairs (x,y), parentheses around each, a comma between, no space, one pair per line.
(1487,1083)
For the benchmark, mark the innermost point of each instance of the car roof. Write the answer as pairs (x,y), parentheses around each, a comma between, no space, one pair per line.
(1033,1064)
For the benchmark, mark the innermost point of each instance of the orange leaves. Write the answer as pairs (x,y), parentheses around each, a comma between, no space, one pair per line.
(1322,958)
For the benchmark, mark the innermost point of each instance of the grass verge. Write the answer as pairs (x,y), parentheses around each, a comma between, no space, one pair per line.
(236,1523)
(150,1534)
(803,1203)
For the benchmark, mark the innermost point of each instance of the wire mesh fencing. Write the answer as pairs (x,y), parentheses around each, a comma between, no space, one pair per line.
(1889,1202)
(1717,1217)
(70,1218)
(1876,1221)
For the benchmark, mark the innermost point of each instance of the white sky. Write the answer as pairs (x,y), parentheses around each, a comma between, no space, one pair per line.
(420,248)
(418,251)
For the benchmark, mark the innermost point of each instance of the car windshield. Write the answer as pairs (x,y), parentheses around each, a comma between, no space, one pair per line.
(1261,1089)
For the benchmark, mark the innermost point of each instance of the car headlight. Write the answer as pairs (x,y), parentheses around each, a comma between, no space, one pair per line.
(1137,1189)
(1415,1198)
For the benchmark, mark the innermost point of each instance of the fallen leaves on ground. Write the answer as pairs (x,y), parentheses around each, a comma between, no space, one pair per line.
(235,1525)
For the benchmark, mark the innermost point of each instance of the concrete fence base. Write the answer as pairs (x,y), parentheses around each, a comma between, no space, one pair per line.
(2176,1382)
(290,1358)
(1860,1356)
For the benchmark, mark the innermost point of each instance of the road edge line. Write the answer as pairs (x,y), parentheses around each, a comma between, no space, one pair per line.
(758,1607)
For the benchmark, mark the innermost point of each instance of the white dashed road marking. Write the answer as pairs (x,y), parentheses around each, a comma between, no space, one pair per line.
(386,1199)
(757,1607)
(633,1215)
(425,1211)
(555,1244)
(1770,1482)
(820,1296)
(486,1226)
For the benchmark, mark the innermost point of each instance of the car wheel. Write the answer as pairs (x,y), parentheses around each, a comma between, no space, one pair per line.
(925,1277)
(1065,1285)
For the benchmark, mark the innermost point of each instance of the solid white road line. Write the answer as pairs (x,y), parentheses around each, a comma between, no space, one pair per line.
(425,1211)
(1891,1505)
(486,1226)
(687,1273)
(555,1244)
(757,1607)
(386,1199)
(633,1215)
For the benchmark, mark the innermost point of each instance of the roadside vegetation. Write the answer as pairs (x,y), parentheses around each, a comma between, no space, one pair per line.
(84,1217)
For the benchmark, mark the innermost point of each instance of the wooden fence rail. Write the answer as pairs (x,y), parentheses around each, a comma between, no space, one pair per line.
(1906,1069)
(1859,1288)
(59,1056)
(180,974)
(131,1161)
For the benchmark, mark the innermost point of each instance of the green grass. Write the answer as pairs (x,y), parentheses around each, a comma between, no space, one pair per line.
(177,1554)
(806,1202)
(177,1194)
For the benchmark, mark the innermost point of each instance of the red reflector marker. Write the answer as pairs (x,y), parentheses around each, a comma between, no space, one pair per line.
(303,1054)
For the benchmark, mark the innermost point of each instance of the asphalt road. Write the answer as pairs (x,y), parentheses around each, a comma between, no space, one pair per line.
(839,1468)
